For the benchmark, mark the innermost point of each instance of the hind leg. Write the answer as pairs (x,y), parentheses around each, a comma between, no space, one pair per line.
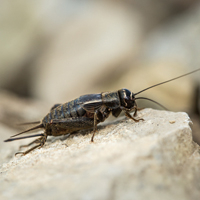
(40,140)
(33,142)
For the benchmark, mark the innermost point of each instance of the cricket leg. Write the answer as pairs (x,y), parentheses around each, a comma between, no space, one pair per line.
(136,109)
(129,116)
(95,126)
(41,142)
(27,145)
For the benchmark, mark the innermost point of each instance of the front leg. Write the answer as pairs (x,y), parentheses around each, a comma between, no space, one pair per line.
(129,116)
(136,109)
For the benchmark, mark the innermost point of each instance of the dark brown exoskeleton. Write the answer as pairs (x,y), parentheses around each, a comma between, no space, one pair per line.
(86,112)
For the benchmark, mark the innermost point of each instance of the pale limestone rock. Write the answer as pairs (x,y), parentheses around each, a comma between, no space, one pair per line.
(154,159)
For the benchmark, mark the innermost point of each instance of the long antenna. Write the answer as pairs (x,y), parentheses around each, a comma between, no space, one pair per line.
(167,81)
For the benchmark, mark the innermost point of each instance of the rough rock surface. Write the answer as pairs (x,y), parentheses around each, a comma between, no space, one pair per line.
(154,159)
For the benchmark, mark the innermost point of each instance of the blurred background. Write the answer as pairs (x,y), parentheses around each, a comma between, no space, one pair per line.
(54,51)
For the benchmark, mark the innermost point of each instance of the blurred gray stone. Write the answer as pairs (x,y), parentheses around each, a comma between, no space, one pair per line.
(15,110)
(170,50)
(90,42)
(154,159)
(109,55)
(20,37)
(176,42)
(91,46)
(177,95)
(156,12)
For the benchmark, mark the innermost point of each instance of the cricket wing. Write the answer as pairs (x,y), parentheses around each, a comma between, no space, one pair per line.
(91,102)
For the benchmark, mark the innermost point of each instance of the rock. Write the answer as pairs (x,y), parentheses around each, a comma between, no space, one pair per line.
(92,45)
(5,132)
(78,61)
(168,51)
(154,159)
(196,128)
(20,42)
(177,95)
(15,110)
(161,11)
(175,42)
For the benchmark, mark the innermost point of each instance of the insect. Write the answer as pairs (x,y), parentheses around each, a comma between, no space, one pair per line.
(86,112)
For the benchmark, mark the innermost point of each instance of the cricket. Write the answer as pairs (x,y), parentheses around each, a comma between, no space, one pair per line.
(86,112)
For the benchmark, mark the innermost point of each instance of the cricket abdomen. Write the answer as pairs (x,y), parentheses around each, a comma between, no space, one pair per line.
(67,110)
